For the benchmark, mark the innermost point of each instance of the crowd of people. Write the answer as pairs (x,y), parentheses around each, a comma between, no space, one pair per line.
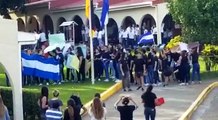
(51,109)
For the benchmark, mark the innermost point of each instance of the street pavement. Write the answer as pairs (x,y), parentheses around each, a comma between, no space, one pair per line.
(208,109)
(178,99)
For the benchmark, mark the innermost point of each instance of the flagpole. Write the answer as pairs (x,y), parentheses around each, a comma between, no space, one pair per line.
(91,45)
(105,35)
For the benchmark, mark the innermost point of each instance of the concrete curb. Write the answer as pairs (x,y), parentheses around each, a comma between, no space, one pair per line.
(204,94)
(106,94)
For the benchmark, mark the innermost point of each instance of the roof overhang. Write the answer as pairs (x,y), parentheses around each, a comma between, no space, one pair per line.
(68,23)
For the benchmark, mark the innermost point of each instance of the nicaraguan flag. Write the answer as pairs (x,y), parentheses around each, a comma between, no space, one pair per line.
(146,38)
(104,14)
(36,65)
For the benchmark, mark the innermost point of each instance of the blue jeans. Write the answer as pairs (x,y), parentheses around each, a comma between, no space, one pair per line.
(149,113)
(196,70)
(150,74)
(106,66)
(111,67)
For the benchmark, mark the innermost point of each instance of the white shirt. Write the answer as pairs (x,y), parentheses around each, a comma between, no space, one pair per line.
(42,37)
(128,29)
(131,34)
(121,34)
(95,34)
(155,30)
(100,34)
(93,117)
(125,34)
(137,31)
(145,31)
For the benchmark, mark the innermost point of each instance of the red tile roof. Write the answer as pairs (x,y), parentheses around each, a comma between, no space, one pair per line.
(66,4)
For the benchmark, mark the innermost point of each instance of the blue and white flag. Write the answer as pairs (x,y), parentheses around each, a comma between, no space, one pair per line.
(146,38)
(104,14)
(36,65)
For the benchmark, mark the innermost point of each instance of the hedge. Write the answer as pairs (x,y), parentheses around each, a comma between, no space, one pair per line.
(30,106)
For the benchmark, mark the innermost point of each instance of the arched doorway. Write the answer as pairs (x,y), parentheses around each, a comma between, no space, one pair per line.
(127,22)
(48,25)
(95,22)
(20,24)
(33,24)
(78,29)
(168,29)
(60,21)
(147,23)
(112,31)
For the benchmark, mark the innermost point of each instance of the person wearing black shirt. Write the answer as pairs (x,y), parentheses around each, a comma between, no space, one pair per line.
(106,61)
(184,68)
(72,112)
(97,64)
(150,67)
(124,68)
(126,111)
(81,65)
(156,66)
(139,69)
(148,98)
(195,65)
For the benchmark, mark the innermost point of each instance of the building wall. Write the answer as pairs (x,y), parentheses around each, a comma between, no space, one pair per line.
(158,12)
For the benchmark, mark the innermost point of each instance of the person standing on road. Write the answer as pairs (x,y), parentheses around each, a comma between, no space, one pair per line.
(124,68)
(148,98)
(126,111)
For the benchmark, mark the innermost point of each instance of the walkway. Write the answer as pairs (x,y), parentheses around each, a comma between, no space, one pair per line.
(178,99)
(208,109)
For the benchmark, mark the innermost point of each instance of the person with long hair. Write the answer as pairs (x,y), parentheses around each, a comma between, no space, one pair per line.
(4,115)
(81,65)
(43,102)
(97,111)
(72,112)
(148,99)
(126,110)
(184,68)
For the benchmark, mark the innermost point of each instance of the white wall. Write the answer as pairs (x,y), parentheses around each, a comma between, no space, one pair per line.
(10,58)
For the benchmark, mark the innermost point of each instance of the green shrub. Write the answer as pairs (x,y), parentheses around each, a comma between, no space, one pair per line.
(30,98)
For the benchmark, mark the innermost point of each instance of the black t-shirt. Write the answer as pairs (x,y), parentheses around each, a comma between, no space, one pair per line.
(150,59)
(97,56)
(139,65)
(156,60)
(77,115)
(126,112)
(149,99)
(125,65)
(106,55)
(194,58)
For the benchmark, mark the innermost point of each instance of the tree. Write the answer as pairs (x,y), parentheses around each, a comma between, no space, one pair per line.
(198,18)
(7,5)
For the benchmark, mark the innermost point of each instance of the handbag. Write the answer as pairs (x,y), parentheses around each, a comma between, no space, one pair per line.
(159,101)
